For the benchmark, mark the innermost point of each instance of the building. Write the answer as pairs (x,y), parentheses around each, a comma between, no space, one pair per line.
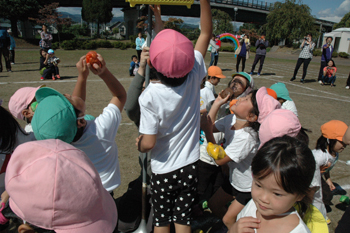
(341,39)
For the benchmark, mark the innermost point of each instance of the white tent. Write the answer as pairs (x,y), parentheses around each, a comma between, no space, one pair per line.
(341,39)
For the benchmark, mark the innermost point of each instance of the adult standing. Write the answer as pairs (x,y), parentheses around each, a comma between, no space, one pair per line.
(327,50)
(242,54)
(4,48)
(261,45)
(305,56)
(46,38)
(214,56)
(139,41)
(218,43)
(12,49)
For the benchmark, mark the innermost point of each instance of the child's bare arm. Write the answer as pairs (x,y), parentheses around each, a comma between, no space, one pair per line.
(115,87)
(146,142)
(80,86)
(206,28)
(346,137)
(157,15)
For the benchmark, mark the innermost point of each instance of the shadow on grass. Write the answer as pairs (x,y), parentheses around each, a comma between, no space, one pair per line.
(26,70)
(68,77)
(341,206)
(226,69)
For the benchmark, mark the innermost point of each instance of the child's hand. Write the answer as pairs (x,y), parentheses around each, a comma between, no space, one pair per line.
(246,224)
(219,100)
(95,68)
(4,197)
(206,123)
(144,57)
(156,10)
(330,184)
(82,67)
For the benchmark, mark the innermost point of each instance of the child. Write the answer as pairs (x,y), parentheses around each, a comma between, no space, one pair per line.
(133,65)
(71,197)
(329,73)
(22,105)
(326,154)
(96,138)
(348,83)
(284,98)
(282,171)
(43,55)
(169,123)
(208,93)
(52,69)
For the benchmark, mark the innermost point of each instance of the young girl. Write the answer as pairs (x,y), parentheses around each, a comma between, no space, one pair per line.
(51,61)
(241,144)
(282,172)
(326,154)
(329,73)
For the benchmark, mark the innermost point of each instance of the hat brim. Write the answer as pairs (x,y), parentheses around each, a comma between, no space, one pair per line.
(220,76)
(244,75)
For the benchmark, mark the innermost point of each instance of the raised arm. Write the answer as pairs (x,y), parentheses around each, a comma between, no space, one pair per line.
(346,137)
(157,15)
(115,87)
(83,73)
(206,27)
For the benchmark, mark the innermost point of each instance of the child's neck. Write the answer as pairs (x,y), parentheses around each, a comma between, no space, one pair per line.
(240,123)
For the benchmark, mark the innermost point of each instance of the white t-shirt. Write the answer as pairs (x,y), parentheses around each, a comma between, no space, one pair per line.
(206,96)
(98,143)
(290,105)
(204,156)
(318,200)
(250,211)
(172,113)
(28,128)
(241,146)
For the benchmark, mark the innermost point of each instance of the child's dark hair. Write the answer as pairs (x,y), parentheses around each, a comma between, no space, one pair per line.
(302,136)
(9,130)
(291,162)
(325,144)
(255,110)
(173,82)
(132,57)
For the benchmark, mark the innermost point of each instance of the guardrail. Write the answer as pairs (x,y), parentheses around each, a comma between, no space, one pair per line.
(256,4)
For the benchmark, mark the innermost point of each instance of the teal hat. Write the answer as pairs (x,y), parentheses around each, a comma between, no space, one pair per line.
(244,74)
(281,91)
(88,117)
(54,117)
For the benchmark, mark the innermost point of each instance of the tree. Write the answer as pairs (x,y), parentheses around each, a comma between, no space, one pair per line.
(171,23)
(97,11)
(48,15)
(15,10)
(344,22)
(221,22)
(289,20)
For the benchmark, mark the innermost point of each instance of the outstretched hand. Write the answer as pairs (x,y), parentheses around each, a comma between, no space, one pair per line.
(95,68)
(219,100)
(82,67)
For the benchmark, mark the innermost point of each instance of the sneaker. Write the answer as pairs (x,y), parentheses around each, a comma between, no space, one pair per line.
(332,85)
(53,78)
(258,74)
(42,78)
(347,87)
(328,221)
(58,76)
(319,81)
(12,63)
(292,79)
(9,70)
(302,81)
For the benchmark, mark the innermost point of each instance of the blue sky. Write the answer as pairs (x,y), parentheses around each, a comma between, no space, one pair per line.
(332,10)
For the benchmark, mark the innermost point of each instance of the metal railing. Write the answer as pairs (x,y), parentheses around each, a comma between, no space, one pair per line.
(256,4)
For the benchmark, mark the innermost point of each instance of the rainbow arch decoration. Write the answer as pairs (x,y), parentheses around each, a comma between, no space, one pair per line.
(232,37)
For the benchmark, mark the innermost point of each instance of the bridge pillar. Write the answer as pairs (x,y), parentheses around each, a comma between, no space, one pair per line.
(130,18)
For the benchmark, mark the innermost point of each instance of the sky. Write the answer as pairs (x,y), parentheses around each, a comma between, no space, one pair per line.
(332,10)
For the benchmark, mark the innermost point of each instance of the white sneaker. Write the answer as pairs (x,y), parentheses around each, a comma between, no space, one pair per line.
(320,82)
(347,87)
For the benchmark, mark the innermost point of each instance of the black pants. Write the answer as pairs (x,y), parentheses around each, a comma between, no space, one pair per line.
(52,69)
(5,52)
(139,54)
(256,60)
(12,56)
(306,63)
(320,74)
(239,58)
(348,81)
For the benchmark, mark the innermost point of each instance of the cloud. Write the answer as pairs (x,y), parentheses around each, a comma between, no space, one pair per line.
(343,8)
(325,13)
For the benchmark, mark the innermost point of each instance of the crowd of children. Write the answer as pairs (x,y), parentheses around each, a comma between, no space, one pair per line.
(58,174)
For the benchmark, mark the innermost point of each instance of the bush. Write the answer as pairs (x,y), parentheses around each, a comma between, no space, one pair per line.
(132,38)
(343,55)
(227,49)
(128,45)
(133,45)
(104,44)
(296,45)
(117,44)
(89,45)
(268,49)
(334,54)
(253,49)
(68,45)
(55,45)
(317,52)
(123,46)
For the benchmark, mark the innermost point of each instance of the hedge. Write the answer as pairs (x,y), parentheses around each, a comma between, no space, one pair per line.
(92,44)
(334,54)
(317,52)
(343,55)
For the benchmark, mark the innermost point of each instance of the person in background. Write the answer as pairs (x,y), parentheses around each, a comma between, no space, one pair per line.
(46,38)
(261,45)
(12,49)
(51,61)
(327,50)
(329,73)
(218,43)
(133,64)
(214,51)
(305,56)
(242,54)
(139,41)
(4,48)
(284,98)
(348,82)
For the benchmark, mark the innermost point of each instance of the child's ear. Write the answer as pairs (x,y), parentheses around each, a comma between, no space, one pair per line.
(300,197)
(27,114)
(25,228)
(252,117)
(81,123)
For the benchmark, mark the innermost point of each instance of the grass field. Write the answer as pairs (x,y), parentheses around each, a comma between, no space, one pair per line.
(316,104)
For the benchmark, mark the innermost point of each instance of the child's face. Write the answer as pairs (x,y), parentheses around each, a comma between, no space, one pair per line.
(339,147)
(51,55)
(43,53)
(214,80)
(134,59)
(243,107)
(238,85)
(271,199)
(330,63)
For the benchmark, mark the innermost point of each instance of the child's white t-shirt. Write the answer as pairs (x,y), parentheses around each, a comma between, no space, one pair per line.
(172,113)
(98,143)
(290,105)
(206,96)
(250,211)
(241,146)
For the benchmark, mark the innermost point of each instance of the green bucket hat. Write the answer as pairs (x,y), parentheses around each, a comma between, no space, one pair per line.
(281,91)
(54,117)
(243,74)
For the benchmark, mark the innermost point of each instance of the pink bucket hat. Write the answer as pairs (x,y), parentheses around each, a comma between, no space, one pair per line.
(172,54)
(278,123)
(54,186)
(21,99)
(266,104)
